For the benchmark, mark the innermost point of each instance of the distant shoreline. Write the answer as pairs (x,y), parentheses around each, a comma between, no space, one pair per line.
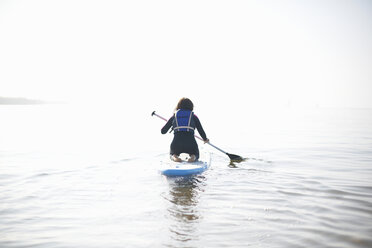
(19,101)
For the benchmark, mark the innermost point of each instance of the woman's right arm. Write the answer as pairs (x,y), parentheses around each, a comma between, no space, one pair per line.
(200,129)
(168,125)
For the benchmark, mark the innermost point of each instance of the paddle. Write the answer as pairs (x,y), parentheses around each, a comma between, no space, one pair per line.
(233,157)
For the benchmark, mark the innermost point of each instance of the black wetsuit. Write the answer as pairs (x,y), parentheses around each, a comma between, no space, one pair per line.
(184,141)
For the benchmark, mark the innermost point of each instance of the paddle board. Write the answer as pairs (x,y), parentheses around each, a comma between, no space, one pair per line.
(180,169)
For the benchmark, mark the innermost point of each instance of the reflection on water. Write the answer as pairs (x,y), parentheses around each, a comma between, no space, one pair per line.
(234,164)
(63,185)
(182,213)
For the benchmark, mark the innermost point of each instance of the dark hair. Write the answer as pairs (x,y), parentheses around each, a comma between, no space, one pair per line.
(185,103)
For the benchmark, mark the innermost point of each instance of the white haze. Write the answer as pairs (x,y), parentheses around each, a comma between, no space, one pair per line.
(232,55)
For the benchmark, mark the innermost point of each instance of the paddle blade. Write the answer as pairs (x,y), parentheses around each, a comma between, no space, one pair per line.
(235,158)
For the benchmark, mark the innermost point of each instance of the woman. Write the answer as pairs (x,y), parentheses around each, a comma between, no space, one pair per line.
(183,123)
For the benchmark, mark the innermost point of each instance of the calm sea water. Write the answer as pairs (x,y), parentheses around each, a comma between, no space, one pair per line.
(87,177)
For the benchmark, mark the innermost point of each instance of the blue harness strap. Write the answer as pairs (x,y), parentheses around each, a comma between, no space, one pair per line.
(183,120)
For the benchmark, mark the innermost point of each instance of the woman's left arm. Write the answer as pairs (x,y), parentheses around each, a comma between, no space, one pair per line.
(166,127)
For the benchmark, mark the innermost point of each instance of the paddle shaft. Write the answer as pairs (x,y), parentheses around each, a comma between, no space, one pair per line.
(196,136)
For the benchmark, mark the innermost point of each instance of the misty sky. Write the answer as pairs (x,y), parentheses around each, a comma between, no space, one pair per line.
(253,53)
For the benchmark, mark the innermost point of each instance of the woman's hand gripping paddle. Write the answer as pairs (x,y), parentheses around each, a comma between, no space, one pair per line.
(233,157)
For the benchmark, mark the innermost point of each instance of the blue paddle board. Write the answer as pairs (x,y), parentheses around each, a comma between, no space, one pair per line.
(180,169)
